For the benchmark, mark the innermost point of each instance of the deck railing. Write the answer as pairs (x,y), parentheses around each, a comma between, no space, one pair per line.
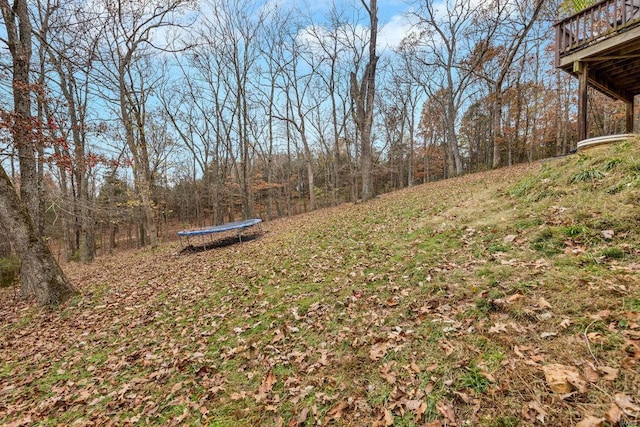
(595,23)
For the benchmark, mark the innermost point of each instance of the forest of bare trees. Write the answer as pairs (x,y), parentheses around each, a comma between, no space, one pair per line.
(139,117)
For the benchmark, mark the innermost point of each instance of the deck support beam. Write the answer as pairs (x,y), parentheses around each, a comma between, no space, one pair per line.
(582,69)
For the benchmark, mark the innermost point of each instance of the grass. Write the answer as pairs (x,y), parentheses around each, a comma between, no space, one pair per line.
(9,270)
(475,380)
(438,301)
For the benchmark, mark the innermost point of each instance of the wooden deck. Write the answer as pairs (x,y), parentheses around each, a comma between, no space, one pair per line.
(601,46)
(594,24)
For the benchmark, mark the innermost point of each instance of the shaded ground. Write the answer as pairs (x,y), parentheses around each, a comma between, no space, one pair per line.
(220,243)
(500,299)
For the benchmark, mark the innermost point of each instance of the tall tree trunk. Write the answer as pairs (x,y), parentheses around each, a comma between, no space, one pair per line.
(40,275)
(18,28)
(411,118)
(137,146)
(456,167)
(513,49)
(363,95)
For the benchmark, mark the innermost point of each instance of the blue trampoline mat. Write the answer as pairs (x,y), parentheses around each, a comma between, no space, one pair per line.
(220,228)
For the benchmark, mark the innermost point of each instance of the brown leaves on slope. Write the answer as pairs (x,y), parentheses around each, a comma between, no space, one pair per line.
(423,308)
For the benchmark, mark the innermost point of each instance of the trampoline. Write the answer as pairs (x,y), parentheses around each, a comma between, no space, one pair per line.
(237,225)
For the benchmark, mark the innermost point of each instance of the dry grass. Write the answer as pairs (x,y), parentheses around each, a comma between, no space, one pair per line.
(437,304)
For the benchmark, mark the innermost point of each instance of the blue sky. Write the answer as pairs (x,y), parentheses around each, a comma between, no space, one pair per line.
(388,9)
(393,24)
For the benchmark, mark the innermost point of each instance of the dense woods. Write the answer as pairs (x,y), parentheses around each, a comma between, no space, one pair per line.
(147,115)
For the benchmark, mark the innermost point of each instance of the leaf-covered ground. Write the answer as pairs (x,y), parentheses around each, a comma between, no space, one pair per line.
(504,298)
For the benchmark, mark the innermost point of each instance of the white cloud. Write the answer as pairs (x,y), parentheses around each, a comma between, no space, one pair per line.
(393,32)
(347,36)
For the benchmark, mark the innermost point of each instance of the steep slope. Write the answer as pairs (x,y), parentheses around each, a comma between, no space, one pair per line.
(504,298)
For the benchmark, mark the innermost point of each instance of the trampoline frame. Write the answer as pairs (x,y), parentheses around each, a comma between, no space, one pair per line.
(236,225)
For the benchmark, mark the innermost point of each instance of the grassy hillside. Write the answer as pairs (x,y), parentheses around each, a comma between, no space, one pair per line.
(505,298)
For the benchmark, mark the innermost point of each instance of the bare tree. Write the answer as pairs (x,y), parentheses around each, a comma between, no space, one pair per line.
(363,94)
(336,48)
(452,45)
(40,274)
(67,44)
(129,72)
(403,91)
(299,103)
(18,32)
(515,31)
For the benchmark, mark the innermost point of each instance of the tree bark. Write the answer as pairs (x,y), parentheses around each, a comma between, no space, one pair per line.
(363,97)
(40,275)
(18,28)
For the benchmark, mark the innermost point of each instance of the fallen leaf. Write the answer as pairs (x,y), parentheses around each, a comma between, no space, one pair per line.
(610,374)
(378,351)
(497,328)
(515,297)
(412,405)
(590,374)
(302,416)
(632,316)
(176,387)
(632,347)
(626,404)
(607,234)
(83,397)
(509,238)
(336,412)
(392,302)
(614,414)
(464,396)
(563,379)
(265,387)
(565,323)
(590,421)
(323,358)
(538,411)
(96,400)
(543,303)
(385,372)
(446,347)
(578,382)
(446,410)
(602,314)
(517,351)
(388,417)
(278,336)
(238,396)
(596,337)
(418,407)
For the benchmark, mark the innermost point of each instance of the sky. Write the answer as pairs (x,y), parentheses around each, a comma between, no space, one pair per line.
(393,24)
